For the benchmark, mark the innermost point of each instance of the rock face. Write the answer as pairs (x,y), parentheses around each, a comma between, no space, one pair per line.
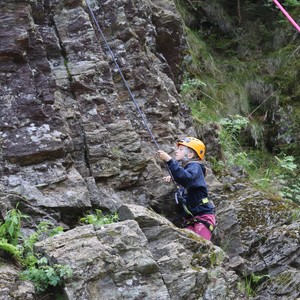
(71,139)
(106,260)
(142,257)
(68,126)
(10,285)
(260,238)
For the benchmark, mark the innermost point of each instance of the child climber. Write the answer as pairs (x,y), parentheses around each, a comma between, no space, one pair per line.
(188,173)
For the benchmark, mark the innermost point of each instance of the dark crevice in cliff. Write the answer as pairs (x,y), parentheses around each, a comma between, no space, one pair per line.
(84,149)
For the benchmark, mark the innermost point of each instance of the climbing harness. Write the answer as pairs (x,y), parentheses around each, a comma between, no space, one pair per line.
(180,198)
(193,221)
(287,15)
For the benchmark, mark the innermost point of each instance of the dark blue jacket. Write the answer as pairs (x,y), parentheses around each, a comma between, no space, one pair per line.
(191,177)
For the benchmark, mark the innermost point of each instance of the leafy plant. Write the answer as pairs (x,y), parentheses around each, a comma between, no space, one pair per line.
(99,218)
(233,126)
(291,191)
(35,268)
(287,162)
(43,275)
(296,215)
(198,95)
(10,229)
(216,257)
(44,230)
(286,177)
(256,131)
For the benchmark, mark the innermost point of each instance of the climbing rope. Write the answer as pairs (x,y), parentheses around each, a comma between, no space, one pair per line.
(122,76)
(125,82)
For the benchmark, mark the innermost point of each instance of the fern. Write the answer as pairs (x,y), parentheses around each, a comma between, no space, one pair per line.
(37,269)
(12,250)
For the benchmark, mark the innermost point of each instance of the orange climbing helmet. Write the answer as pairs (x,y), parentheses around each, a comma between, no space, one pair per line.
(193,143)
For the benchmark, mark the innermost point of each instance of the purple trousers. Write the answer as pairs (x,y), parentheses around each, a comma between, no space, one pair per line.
(200,228)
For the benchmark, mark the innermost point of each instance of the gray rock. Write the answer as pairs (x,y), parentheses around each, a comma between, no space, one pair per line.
(13,288)
(109,262)
(143,256)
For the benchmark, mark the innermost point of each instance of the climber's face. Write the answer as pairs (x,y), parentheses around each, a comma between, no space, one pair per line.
(181,152)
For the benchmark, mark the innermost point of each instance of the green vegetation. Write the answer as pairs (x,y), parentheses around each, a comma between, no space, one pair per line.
(242,141)
(247,90)
(243,144)
(35,267)
(216,258)
(43,275)
(10,229)
(288,2)
(99,218)
(206,89)
(66,63)
(275,174)
(251,282)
